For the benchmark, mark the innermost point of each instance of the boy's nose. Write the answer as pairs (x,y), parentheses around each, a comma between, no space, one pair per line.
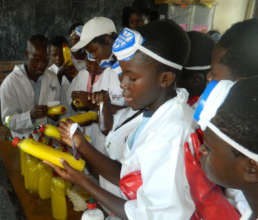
(124,81)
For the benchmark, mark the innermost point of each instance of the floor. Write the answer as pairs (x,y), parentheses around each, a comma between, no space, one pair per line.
(10,206)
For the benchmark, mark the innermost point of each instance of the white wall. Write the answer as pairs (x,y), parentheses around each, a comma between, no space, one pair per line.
(229,12)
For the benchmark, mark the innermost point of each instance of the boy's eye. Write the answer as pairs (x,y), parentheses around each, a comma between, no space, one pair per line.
(133,79)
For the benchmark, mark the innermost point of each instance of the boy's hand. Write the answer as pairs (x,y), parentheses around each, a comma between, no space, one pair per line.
(98,97)
(64,129)
(67,70)
(83,96)
(38,111)
(68,173)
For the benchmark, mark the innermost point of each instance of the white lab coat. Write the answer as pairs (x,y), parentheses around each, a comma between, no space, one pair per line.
(17,98)
(158,153)
(78,64)
(238,200)
(79,83)
(109,82)
(116,143)
(65,84)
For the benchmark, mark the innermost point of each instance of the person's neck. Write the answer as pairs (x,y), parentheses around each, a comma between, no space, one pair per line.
(30,75)
(251,195)
(193,92)
(160,101)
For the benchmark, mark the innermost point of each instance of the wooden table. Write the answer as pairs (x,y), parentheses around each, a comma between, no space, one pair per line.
(34,207)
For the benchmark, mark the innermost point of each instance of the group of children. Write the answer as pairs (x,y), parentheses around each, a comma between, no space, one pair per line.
(167,145)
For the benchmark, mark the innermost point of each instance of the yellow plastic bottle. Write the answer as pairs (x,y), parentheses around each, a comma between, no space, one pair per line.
(52,131)
(78,103)
(23,158)
(83,117)
(56,110)
(22,162)
(67,55)
(58,200)
(31,174)
(44,152)
(45,178)
(26,158)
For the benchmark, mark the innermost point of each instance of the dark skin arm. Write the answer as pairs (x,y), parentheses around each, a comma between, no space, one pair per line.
(38,111)
(91,101)
(109,169)
(84,97)
(108,109)
(68,71)
(113,203)
(107,116)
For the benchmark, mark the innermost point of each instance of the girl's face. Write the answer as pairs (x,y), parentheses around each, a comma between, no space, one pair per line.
(135,21)
(56,56)
(99,51)
(140,82)
(222,164)
(219,71)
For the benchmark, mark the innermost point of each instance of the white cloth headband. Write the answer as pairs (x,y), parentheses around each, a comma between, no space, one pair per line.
(90,57)
(107,62)
(129,41)
(116,67)
(198,67)
(211,100)
(233,143)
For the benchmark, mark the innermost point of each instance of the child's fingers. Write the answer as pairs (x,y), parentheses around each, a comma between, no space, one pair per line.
(56,168)
(66,165)
(61,172)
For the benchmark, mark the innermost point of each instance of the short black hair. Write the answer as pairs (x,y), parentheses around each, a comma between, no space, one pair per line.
(201,49)
(167,39)
(58,41)
(102,38)
(38,39)
(240,43)
(127,12)
(238,115)
(73,26)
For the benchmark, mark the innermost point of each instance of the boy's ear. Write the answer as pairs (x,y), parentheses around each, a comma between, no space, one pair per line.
(251,171)
(109,40)
(167,79)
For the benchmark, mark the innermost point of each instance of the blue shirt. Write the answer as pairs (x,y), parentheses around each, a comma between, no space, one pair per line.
(146,117)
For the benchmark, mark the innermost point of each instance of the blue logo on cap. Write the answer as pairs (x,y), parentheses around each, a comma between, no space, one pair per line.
(125,40)
(116,67)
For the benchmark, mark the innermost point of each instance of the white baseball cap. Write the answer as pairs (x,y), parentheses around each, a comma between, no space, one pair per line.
(95,27)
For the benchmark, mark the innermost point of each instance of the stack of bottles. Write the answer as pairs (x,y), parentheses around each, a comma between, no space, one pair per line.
(43,144)
(39,177)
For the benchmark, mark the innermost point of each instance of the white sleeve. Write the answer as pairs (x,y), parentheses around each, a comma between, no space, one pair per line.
(10,107)
(238,200)
(115,91)
(164,193)
(58,90)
